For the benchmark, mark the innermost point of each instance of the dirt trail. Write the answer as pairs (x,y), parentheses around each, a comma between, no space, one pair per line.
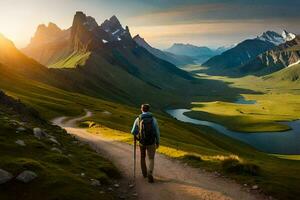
(174,180)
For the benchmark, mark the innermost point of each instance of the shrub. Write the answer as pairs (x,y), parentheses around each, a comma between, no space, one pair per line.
(234,165)
(192,157)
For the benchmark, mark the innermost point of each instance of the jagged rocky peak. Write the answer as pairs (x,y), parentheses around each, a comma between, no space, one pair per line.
(46,33)
(139,38)
(112,24)
(141,41)
(48,30)
(81,20)
(113,27)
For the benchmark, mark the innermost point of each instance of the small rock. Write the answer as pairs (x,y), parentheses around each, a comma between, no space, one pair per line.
(101,192)
(75,142)
(82,174)
(110,189)
(16,123)
(135,194)
(116,185)
(38,133)
(56,149)
(21,143)
(26,176)
(122,197)
(5,176)
(131,185)
(54,141)
(245,184)
(95,182)
(254,187)
(106,112)
(20,129)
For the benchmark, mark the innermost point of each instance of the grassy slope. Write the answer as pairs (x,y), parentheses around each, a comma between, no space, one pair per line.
(286,76)
(178,139)
(58,174)
(71,61)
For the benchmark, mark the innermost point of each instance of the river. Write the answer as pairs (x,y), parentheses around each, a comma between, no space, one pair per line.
(285,142)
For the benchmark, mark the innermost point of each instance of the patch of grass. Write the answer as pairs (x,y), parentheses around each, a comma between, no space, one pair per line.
(192,157)
(236,165)
(288,157)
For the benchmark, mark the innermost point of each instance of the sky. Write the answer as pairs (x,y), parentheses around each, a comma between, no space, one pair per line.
(211,23)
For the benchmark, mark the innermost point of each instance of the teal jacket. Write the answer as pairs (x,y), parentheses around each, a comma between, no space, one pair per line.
(135,128)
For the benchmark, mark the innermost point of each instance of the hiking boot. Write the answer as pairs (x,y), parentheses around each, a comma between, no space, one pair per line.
(150,179)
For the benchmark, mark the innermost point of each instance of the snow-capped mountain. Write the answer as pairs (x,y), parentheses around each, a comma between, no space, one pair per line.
(288,36)
(276,38)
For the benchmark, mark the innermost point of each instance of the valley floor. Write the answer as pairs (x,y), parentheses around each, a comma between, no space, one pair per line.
(274,102)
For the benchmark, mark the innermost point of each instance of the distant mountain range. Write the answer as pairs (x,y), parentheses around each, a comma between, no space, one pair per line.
(199,53)
(105,61)
(237,60)
(283,56)
(178,60)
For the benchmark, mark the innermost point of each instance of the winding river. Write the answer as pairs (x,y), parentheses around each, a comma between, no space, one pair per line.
(285,142)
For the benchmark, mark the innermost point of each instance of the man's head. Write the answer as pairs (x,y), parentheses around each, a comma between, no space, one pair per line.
(145,107)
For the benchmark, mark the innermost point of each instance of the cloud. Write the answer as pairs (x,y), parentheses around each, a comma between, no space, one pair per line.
(219,10)
(178,15)
(211,33)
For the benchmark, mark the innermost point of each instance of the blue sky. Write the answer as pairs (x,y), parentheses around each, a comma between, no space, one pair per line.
(161,22)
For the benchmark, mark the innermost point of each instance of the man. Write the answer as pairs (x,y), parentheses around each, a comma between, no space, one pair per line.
(145,130)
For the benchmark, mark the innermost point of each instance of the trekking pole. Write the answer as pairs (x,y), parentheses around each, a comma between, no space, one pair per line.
(134,157)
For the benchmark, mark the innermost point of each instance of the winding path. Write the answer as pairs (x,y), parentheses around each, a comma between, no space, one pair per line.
(174,180)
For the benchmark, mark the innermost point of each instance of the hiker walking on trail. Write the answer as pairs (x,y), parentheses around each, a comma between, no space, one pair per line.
(145,130)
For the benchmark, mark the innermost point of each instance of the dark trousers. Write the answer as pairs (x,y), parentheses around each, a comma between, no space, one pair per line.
(150,150)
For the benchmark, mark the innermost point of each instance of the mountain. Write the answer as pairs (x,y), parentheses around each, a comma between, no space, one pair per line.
(11,59)
(282,56)
(229,62)
(237,56)
(276,38)
(222,49)
(201,54)
(178,60)
(104,61)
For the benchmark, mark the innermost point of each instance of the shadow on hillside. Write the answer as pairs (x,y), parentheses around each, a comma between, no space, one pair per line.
(218,90)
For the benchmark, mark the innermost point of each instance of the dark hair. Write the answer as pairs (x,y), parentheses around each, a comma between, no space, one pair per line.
(145,107)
